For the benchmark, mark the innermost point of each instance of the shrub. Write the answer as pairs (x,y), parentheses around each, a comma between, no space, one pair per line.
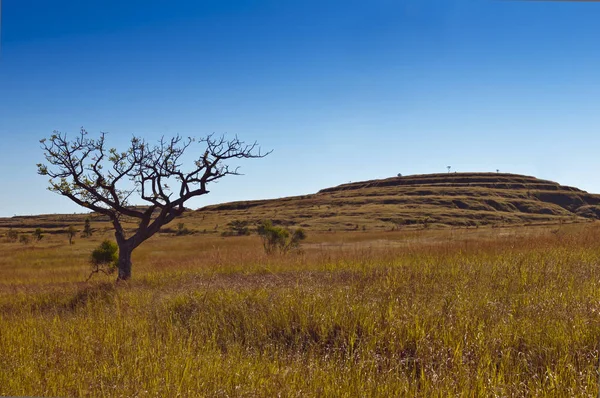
(104,258)
(182,230)
(38,234)
(24,239)
(238,227)
(12,235)
(71,232)
(426,222)
(87,229)
(105,253)
(278,238)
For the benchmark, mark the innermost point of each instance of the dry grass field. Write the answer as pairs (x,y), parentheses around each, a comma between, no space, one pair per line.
(430,312)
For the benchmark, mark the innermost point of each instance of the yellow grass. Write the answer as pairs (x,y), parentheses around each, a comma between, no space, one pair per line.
(479,312)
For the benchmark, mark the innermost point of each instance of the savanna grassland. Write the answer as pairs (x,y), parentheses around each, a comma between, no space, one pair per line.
(430,312)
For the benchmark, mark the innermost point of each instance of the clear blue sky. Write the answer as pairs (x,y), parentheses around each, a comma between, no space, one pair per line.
(340,90)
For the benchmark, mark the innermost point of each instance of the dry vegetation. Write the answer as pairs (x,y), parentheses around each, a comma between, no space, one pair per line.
(468,312)
(410,202)
(461,199)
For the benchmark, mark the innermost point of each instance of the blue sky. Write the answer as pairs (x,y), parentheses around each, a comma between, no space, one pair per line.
(340,90)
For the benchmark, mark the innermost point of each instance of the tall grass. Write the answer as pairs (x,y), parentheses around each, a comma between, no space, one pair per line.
(471,313)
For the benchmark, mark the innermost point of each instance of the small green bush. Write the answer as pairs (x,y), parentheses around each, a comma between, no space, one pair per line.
(87,229)
(106,253)
(237,227)
(278,238)
(104,258)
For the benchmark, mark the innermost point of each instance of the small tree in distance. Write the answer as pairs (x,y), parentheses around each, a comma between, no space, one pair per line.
(38,234)
(104,180)
(87,228)
(71,232)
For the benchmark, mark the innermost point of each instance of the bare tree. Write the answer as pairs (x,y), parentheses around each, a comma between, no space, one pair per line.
(103,179)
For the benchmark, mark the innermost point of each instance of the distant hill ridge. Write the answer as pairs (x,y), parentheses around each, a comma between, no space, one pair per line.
(485,180)
(446,199)
(452,199)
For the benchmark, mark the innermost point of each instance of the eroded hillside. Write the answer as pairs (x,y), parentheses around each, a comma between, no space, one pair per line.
(455,199)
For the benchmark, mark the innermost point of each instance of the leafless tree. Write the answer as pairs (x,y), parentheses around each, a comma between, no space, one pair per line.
(103,179)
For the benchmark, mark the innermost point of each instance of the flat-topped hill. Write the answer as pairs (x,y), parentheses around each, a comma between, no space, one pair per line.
(452,199)
(483,180)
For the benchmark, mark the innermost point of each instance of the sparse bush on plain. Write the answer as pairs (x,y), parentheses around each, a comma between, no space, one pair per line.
(24,239)
(38,234)
(426,222)
(12,235)
(71,232)
(183,230)
(105,253)
(238,228)
(104,258)
(87,228)
(278,238)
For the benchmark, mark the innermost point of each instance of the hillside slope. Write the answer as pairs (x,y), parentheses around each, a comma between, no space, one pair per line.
(456,199)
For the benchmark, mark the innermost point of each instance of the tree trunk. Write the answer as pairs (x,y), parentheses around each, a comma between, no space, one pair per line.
(124,264)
